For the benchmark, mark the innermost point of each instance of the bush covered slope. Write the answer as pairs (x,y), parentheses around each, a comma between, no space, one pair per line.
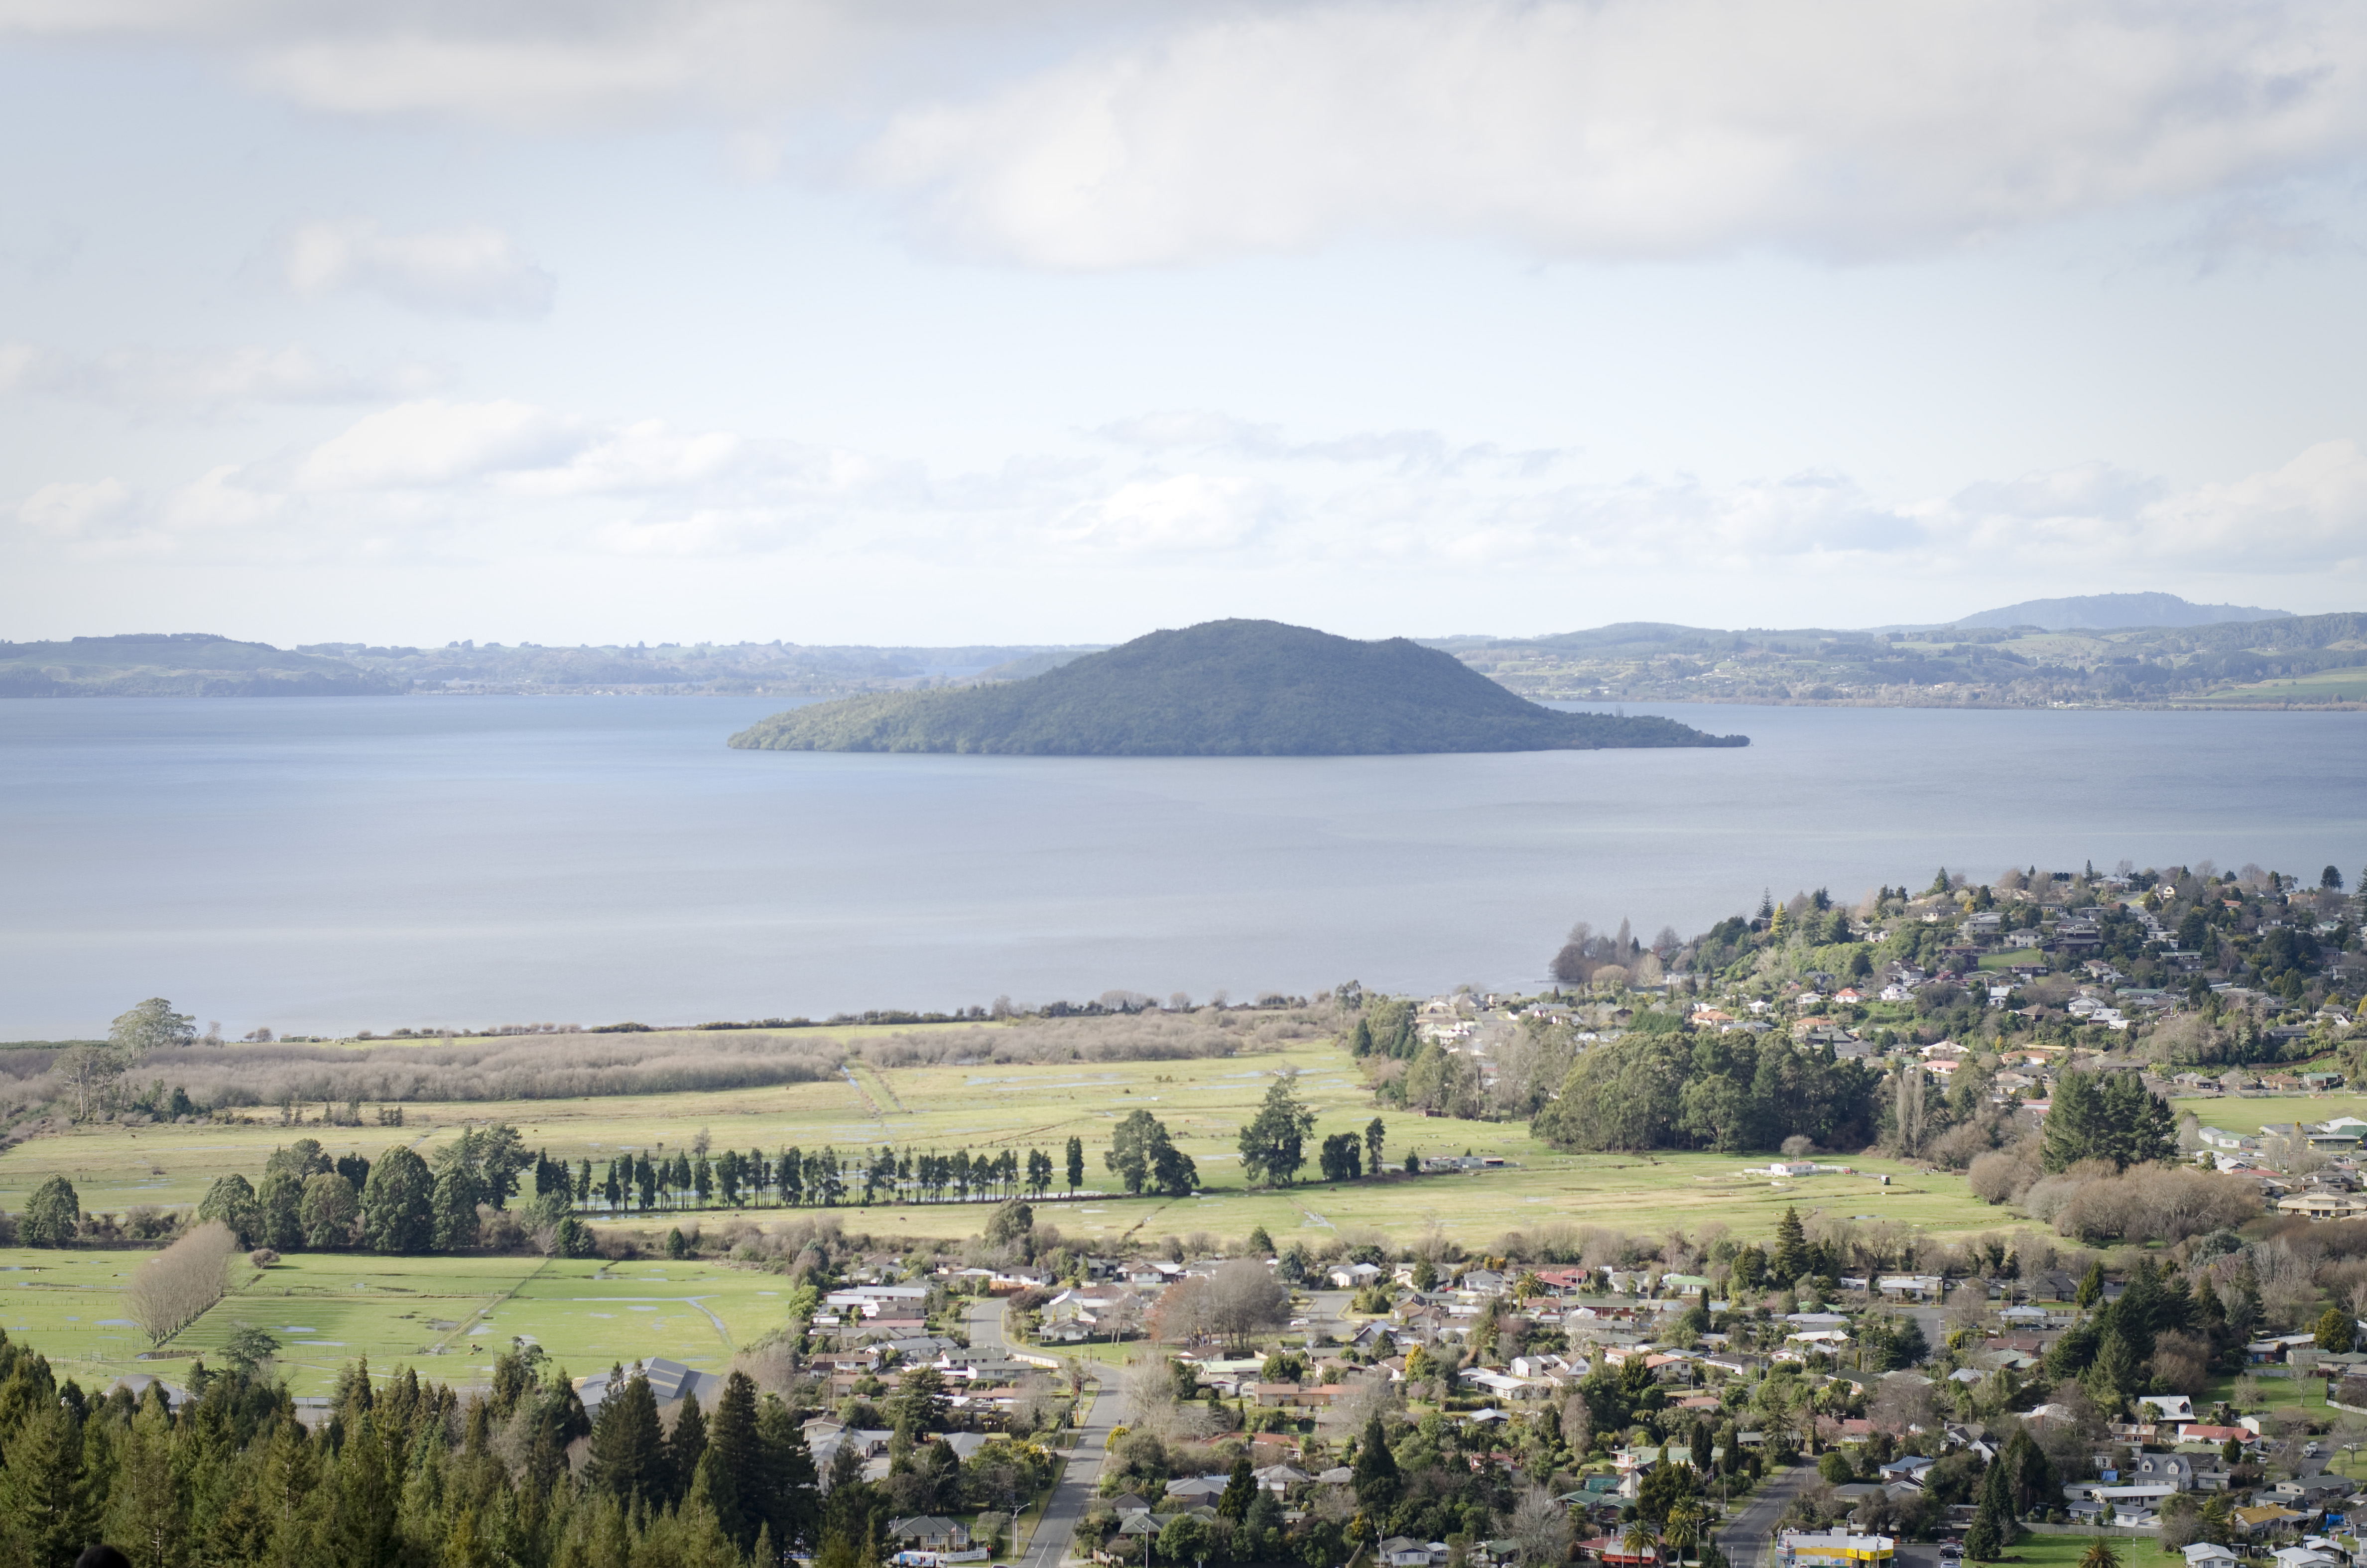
(1222,689)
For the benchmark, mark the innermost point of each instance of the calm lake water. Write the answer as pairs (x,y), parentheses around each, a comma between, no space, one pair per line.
(335,865)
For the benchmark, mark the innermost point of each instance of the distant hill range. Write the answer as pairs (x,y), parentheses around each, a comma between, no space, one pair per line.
(1221,688)
(2277,662)
(200,665)
(2002,658)
(2117,612)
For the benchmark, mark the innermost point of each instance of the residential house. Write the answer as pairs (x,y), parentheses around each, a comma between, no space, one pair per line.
(2176,1470)
(931,1533)
(669,1381)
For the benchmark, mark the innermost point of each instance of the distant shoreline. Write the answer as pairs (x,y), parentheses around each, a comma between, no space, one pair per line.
(2329,704)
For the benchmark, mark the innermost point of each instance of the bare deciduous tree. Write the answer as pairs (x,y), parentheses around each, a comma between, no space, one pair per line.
(169,1290)
(1541,1524)
(1244,1300)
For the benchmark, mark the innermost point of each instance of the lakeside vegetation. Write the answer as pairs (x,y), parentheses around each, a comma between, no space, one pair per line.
(1220,689)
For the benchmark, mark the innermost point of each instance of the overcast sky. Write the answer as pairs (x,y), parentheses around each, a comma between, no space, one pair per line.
(1022,321)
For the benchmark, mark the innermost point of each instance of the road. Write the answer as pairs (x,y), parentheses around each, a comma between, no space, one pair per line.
(1079,1477)
(1747,1537)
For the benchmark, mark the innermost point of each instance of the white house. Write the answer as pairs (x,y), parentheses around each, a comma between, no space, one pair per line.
(2167,1406)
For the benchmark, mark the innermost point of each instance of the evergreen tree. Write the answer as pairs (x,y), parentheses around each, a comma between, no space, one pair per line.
(2116,1374)
(792,1495)
(455,1210)
(281,1201)
(735,1463)
(1076,1163)
(1375,1477)
(1240,1490)
(685,1446)
(230,1199)
(2029,1473)
(397,1203)
(1984,1542)
(1791,1259)
(45,1495)
(628,1460)
(2091,1287)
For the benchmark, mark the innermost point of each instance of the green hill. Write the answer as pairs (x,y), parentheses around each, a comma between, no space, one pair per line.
(1222,689)
(177,664)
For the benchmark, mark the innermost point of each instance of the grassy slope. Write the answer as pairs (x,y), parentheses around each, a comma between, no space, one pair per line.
(1227,688)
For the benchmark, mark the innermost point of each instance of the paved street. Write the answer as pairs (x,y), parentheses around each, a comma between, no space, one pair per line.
(1078,1480)
(1747,1535)
(1088,1444)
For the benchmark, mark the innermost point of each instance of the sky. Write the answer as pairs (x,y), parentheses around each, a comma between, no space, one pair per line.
(919,322)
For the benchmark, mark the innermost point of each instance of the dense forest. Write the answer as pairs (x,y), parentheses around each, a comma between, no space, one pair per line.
(1656,1089)
(1225,688)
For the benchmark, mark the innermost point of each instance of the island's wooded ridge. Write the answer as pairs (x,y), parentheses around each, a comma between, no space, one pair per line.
(1223,688)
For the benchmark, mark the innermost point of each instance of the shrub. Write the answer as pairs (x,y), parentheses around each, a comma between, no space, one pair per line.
(263,1258)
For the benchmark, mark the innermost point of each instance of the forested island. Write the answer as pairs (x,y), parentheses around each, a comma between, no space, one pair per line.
(1223,688)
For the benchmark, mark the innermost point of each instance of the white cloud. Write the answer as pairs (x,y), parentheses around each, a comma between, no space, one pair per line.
(432,444)
(199,380)
(1060,134)
(1182,511)
(76,509)
(459,272)
(546,62)
(1633,128)
(512,479)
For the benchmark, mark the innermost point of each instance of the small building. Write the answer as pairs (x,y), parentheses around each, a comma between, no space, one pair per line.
(1836,1550)
(930,1532)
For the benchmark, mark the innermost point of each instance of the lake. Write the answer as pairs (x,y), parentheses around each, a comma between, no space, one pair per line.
(322,865)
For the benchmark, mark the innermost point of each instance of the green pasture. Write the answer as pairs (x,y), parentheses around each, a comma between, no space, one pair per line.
(70,1305)
(2304,1393)
(448,1316)
(2065,1551)
(2249,1115)
(2340,685)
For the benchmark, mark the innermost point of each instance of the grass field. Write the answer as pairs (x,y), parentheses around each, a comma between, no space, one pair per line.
(2065,1551)
(2248,1115)
(448,1316)
(1204,1103)
(2342,685)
